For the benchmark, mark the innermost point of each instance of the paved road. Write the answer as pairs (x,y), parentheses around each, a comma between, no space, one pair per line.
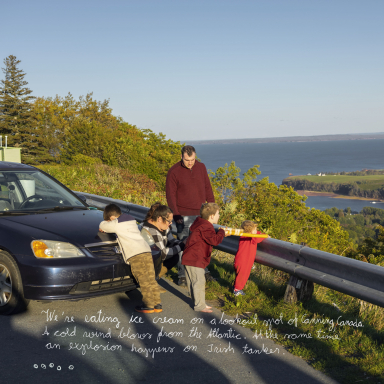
(103,340)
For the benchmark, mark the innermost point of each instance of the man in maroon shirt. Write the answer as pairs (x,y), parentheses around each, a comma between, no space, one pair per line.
(187,188)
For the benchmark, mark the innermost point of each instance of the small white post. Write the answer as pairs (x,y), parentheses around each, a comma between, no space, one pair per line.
(6,138)
(1,140)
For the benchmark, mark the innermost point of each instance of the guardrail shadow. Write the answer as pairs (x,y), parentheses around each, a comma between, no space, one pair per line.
(203,365)
(30,349)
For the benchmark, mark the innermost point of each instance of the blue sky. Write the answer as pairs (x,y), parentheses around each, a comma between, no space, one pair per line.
(209,69)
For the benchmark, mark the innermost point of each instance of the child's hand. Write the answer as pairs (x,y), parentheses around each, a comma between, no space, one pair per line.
(226,232)
(101,230)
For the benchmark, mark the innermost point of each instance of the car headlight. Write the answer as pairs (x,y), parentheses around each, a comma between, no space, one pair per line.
(48,249)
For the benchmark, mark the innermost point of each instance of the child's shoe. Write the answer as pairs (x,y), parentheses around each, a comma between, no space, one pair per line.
(238,292)
(158,308)
(142,308)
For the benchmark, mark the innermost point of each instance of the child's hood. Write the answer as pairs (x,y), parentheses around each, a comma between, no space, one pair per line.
(125,217)
(200,223)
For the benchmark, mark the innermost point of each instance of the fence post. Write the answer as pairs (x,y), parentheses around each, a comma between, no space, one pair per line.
(298,290)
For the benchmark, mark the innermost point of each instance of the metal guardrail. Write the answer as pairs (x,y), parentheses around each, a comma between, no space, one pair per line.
(137,211)
(355,278)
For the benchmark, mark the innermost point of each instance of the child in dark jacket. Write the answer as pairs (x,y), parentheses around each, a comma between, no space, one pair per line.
(245,256)
(197,253)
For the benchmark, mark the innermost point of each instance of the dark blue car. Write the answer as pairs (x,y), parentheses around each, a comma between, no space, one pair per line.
(50,244)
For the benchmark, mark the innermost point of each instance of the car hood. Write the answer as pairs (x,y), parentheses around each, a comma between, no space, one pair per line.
(76,227)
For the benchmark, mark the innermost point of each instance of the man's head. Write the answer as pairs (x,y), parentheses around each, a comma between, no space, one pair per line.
(188,156)
(210,212)
(111,212)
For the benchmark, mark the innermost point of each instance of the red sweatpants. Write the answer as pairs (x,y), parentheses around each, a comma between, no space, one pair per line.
(244,259)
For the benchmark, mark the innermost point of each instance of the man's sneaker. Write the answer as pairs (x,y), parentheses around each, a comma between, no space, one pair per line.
(142,308)
(182,282)
(238,293)
(209,277)
(158,308)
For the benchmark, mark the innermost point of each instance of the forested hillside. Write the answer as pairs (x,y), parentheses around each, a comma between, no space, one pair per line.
(366,223)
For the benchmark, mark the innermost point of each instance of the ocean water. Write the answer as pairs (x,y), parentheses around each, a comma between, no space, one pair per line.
(278,160)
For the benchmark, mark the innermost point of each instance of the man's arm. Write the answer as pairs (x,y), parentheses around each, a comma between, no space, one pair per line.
(208,188)
(171,194)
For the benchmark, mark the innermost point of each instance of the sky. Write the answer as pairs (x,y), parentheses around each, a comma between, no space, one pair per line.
(209,69)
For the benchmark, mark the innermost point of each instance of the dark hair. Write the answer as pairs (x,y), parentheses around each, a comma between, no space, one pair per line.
(158,210)
(208,209)
(111,210)
(188,149)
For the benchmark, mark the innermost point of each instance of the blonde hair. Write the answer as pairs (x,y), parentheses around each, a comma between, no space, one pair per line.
(248,226)
(208,209)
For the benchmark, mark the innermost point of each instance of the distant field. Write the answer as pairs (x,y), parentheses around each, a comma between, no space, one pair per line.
(338,178)
(369,182)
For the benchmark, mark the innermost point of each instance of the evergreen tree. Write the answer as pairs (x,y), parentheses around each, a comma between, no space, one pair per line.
(17,119)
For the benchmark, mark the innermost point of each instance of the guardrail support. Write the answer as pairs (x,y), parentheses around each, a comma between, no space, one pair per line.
(298,290)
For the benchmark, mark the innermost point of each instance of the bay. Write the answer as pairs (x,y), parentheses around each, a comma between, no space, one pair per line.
(278,160)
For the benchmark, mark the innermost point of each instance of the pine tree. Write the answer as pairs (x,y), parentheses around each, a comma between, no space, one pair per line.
(17,119)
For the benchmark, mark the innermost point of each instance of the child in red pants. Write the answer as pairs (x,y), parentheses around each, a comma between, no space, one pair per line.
(245,256)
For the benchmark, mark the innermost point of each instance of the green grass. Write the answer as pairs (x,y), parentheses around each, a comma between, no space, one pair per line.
(107,181)
(367,182)
(357,354)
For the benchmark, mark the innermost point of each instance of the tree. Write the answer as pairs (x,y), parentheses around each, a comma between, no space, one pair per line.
(127,147)
(280,211)
(17,120)
(57,116)
(14,98)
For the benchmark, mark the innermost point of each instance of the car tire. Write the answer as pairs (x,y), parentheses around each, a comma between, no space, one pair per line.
(11,287)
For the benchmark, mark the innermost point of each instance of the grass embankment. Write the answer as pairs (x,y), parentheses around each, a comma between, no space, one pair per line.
(348,353)
(335,333)
(107,181)
(357,352)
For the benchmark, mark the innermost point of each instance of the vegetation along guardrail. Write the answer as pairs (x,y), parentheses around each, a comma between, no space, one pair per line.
(355,278)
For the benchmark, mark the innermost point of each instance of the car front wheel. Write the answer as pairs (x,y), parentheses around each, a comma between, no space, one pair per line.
(11,288)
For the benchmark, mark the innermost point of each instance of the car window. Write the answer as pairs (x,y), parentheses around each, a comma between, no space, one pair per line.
(32,190)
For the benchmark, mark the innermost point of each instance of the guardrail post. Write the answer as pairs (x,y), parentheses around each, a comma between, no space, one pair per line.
(298,290)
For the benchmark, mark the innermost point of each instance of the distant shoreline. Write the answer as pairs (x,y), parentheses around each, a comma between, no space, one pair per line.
(294,139)
(333,195)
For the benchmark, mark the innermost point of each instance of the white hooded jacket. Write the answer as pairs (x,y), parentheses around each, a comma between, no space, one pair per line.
(128,235)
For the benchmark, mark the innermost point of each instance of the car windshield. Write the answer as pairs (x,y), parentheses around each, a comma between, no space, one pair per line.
(28,191)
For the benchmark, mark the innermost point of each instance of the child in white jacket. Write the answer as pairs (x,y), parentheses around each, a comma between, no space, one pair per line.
(136,253)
